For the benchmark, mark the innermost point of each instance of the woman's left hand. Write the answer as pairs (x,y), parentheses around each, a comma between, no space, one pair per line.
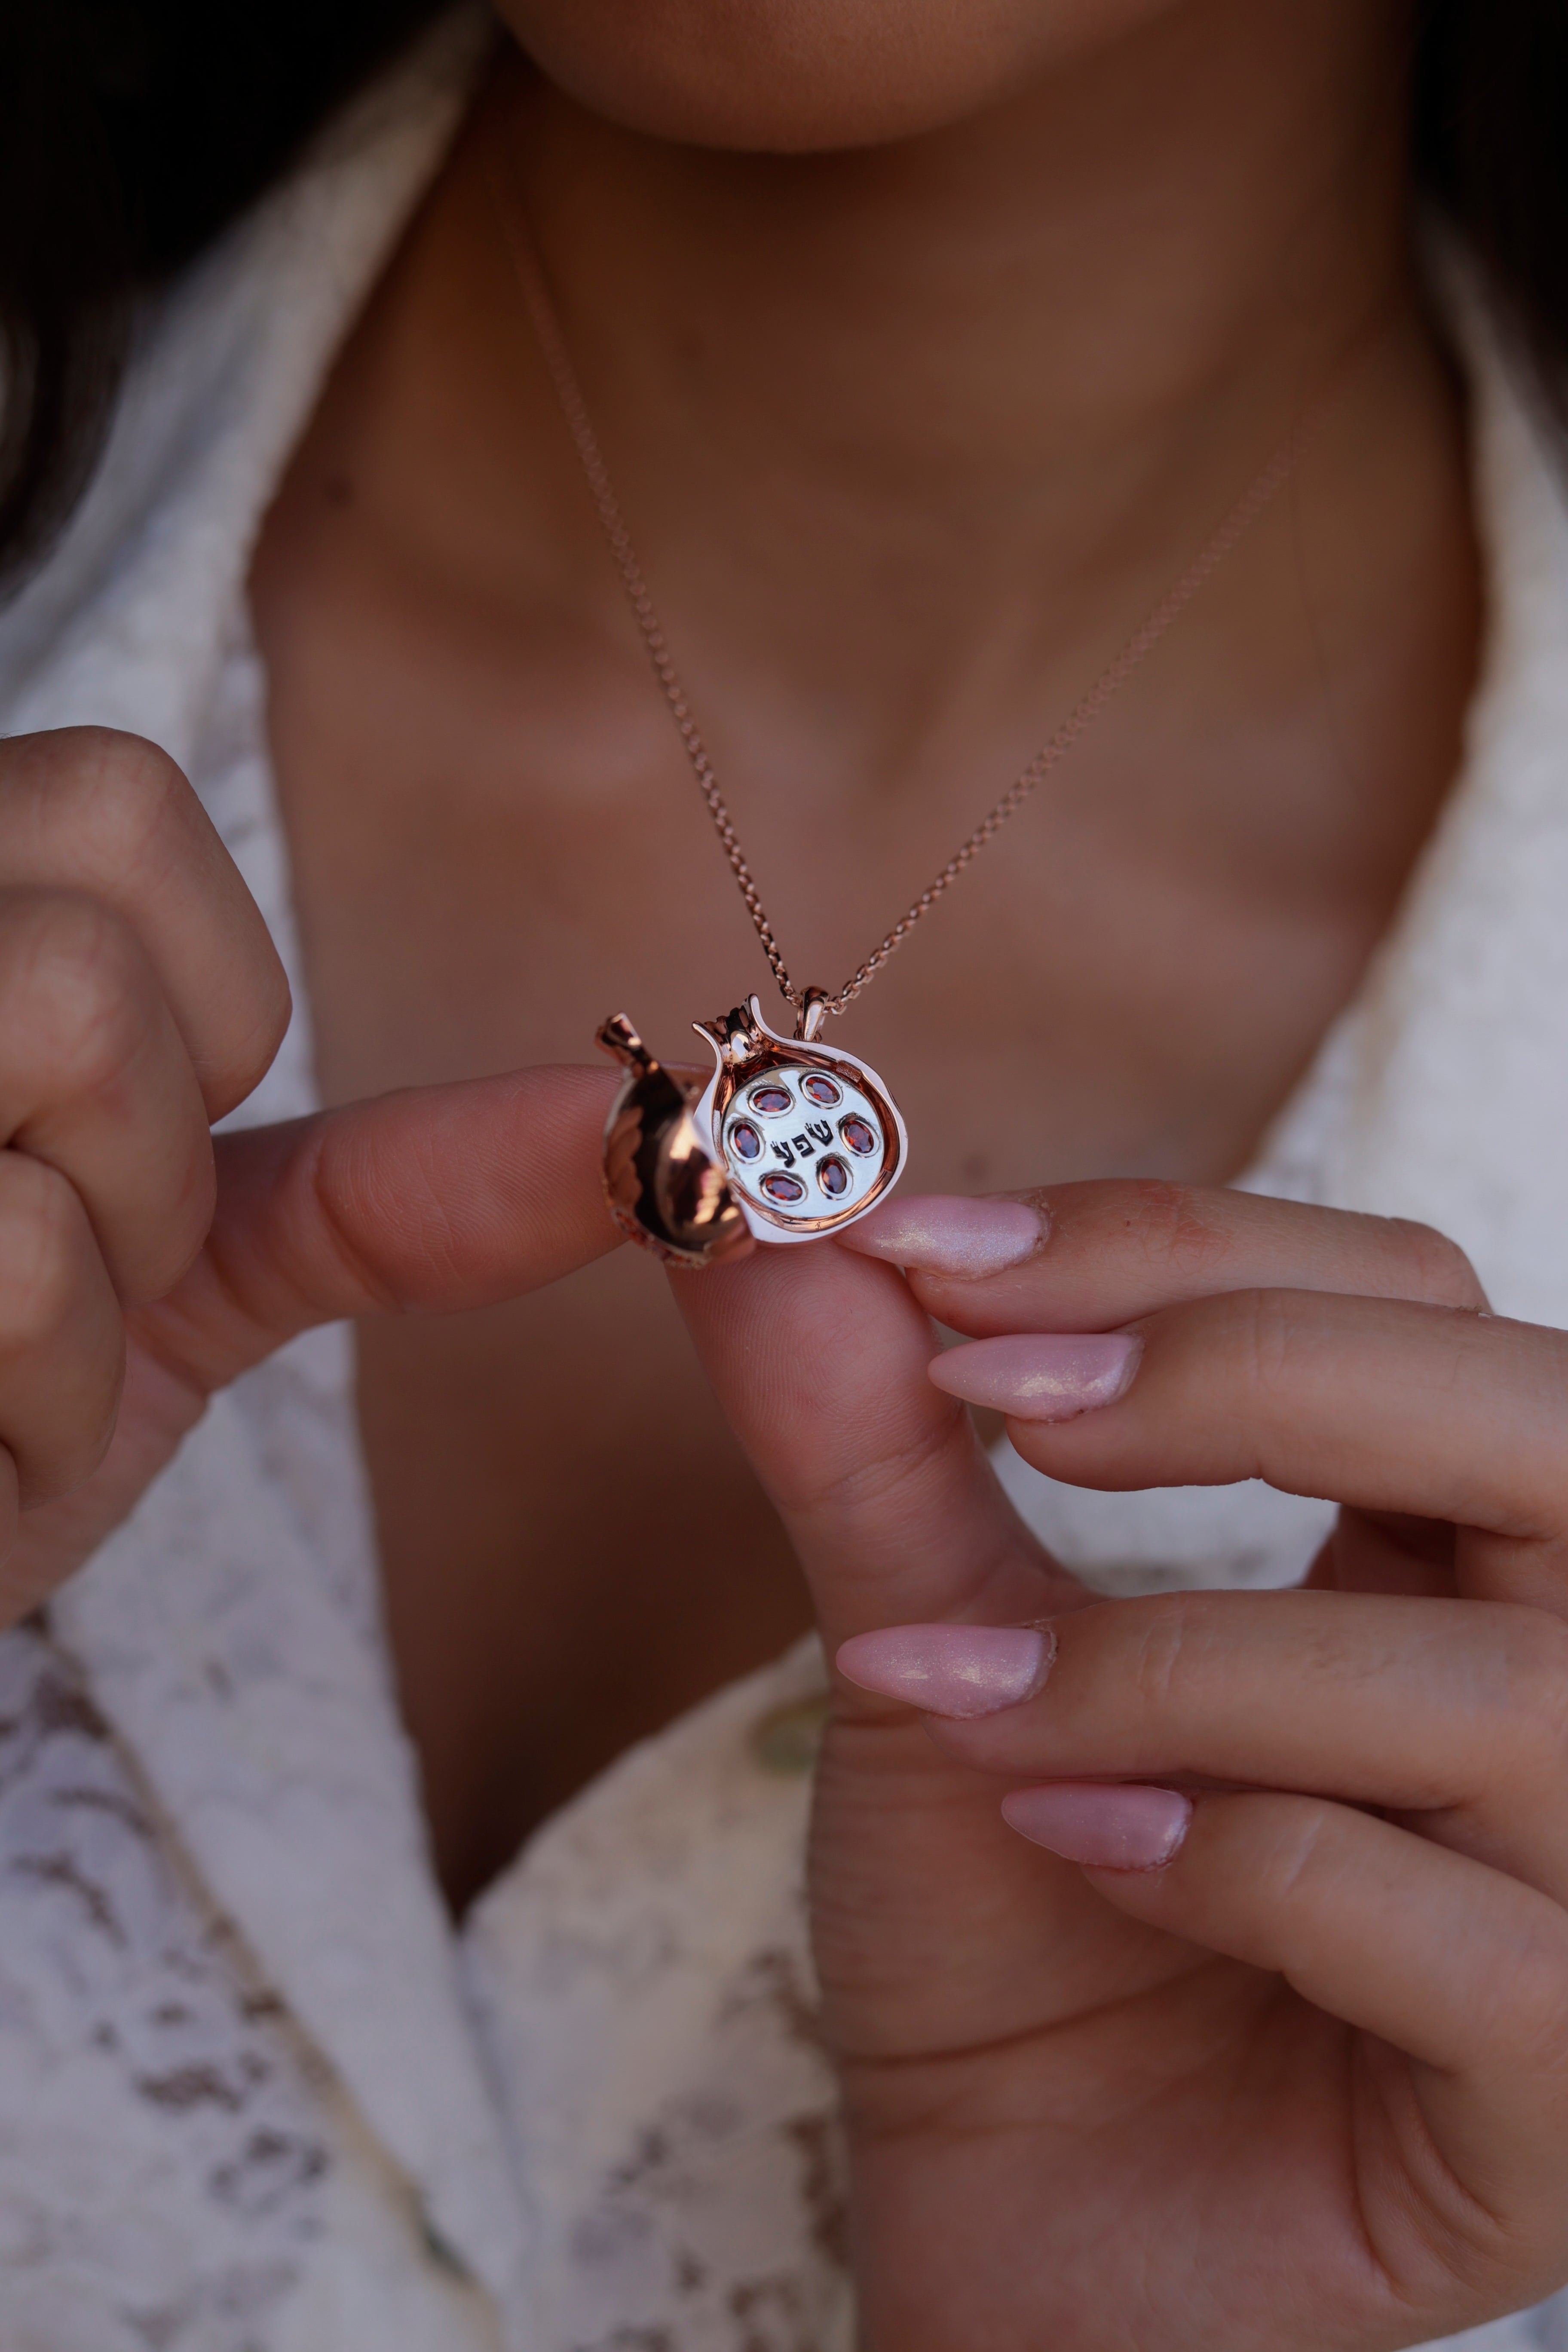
(1268,2047)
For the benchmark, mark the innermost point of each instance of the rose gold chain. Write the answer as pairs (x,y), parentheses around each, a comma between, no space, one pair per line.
(546,325)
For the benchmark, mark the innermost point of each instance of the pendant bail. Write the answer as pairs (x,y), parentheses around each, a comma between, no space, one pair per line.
(813,1007)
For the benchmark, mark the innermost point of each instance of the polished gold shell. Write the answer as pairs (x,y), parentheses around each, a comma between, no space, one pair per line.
(681,1176)
(665,1188)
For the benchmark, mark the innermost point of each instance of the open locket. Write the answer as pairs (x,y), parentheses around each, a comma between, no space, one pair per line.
(790,1139)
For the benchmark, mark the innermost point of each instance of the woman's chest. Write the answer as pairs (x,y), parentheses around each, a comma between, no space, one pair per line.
(490,857)
(496,842)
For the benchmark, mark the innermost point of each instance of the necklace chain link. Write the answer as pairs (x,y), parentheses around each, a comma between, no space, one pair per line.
(530,281)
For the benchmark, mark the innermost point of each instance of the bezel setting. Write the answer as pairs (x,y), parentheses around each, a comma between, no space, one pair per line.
(755,1059)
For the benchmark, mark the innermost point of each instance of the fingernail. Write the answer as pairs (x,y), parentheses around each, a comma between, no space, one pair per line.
(1106,1827)
(951,1669)
(1041,1375)
(943,1232)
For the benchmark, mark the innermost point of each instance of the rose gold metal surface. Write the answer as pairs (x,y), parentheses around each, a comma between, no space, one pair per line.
(814,1007)
(667,1179)
(666,1188)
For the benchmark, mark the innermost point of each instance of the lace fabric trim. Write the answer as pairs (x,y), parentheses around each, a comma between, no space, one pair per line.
(162,2159)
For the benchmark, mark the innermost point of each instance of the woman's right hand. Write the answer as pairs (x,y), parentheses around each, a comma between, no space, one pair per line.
(145,1263)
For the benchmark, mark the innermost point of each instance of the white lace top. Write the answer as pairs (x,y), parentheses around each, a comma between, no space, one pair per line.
(256,2094)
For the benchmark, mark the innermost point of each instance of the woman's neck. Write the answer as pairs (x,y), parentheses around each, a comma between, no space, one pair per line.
(909,437)
(944,373)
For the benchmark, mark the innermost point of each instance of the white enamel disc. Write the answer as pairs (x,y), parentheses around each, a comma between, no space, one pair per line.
(810,1137)
(806,1142)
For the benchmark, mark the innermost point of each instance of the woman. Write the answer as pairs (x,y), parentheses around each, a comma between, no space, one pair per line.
(928,348)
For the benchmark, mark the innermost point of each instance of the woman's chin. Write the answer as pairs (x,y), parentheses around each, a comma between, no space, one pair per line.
(803,76)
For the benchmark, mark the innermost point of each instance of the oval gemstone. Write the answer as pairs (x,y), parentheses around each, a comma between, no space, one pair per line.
(833,1176)
(819,1087)
(859,1135)
(785,1190)
(771,1101)
(745,1142)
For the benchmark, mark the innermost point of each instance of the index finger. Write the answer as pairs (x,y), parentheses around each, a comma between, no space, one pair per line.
(1112,1251)
(108,815)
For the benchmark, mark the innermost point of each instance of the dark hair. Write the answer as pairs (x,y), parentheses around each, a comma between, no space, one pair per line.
(1490,108)
(133,131)
(130,132)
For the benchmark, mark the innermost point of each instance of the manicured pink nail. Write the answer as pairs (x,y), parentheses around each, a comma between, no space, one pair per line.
(1041,1375)
(942,1233)
(951,1669)
(1104,1826)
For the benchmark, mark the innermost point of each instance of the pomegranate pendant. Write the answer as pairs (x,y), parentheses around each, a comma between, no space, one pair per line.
(789,1141)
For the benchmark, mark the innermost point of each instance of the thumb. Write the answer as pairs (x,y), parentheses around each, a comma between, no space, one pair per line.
(818,1358)
(433,1199)
(437,1198)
